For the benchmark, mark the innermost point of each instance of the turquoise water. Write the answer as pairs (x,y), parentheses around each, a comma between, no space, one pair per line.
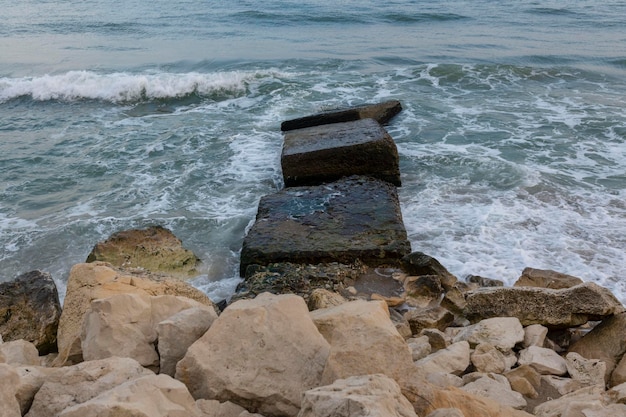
(512,139)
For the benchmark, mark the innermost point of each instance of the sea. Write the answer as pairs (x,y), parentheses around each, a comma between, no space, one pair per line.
(118,115)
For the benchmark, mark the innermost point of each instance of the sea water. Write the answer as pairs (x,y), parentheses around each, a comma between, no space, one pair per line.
(512,140)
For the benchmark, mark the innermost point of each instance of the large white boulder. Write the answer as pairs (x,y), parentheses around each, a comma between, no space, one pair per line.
(9,380)
(544,360)
(502,332)
(452,360)
(20,352)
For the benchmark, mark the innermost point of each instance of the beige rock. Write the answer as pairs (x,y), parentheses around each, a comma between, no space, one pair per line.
(486,358)
(214,408)
(473,405)
(502,332)
(546,278)
(428,318)
(605,342)
(437,339)
(552,308)
(545,361)
(525,379)
(20,352)
(180,331)
(583,398)
(446,412)
(79,383)
(561,385)
(321,298)
(148,396)
(618,376)
(9,406)
(31,380)
(617,394)
(124,325)
(454,300)
(155,249)
(534,335)
(420,347)
(497,390)
(261,354)
(367,395)
(453,360)
(363,341)
(444,380)
(587,371)
(91,281)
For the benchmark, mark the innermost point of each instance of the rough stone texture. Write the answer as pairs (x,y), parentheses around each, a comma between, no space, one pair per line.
(9,406)
(368,395)
(148,396)
(420,347)
(91,281)
(353,218)
(418,263)
(486,358)
(587,371)
(321,298)
(321,154)
(124,325)
(534,335)
(363,340)
(381,112)
(446,412)
(30,310)
(525,379)
(31,379)
(453,360)
(19,352)
(214,408)
(584,398)
(484,282)
(497,390)
(545,361)
(429,318)
(618,376)
(502,332)
(424,290)
(180,331)
(261,354)
(607,342)
(546,278)
(561,385)
(551,308)
(155,249)
(79,383)
(437,339)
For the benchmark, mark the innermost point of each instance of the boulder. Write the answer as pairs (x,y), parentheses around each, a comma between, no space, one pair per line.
(148,396)
(91,281)
(79,383)
(587,371)
(545,361)
(31,380)
(30,310)
(498,390)
(124,325)
(484,282)
(154,249)
(436,338)
(20,352)
(363,341)
(420,347)
(423,291)
(214,408)
(446,412)
(353,218)
(261,354)
(367,395)
(321,298)
(502,332)
(178,332)
(428,318)
(606,342)
(552,308)
(418,264)
(573,404)
(534,335)
(618,376)
(525,379)
(326,153)
(452,360)
(486,358)
(381,112)
(546,278)
(9,406)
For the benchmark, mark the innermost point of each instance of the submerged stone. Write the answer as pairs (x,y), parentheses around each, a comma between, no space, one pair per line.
(354,218)
(314,155)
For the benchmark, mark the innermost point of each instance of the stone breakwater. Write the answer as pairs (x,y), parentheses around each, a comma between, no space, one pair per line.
(329,332)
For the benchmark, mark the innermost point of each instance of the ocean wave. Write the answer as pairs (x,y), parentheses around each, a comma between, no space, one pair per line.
(127,87)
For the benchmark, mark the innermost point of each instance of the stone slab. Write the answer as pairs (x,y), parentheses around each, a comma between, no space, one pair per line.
(354,218)
(381,112)
(319,154)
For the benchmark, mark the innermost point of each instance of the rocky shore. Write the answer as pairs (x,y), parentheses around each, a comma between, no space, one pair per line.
(336,315)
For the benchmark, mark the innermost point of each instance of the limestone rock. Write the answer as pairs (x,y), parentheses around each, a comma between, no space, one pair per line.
(420,347)
(124,325)
(363,341)
(321,298)
(525,379)
(321,154)
(436,338)
(545,361)
(551,308)
(497,390)
(31,380)
(429,318)
(546,278)
(423,291)
(444,380)
(486,358)
(261,354)
(91,281)
(587,371)
(155,249)
(368,395)
(534,335)
(562,385)
(446,412)
(502,332)
(418,263)
(381,112)
(20,352)
(353,218)
(9,407)
(484,282)
(568,405)
(148,396)
(79,383)
(30,310)
(605,342)
(214,408)
(618,376)
(453,360)
(180,331)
